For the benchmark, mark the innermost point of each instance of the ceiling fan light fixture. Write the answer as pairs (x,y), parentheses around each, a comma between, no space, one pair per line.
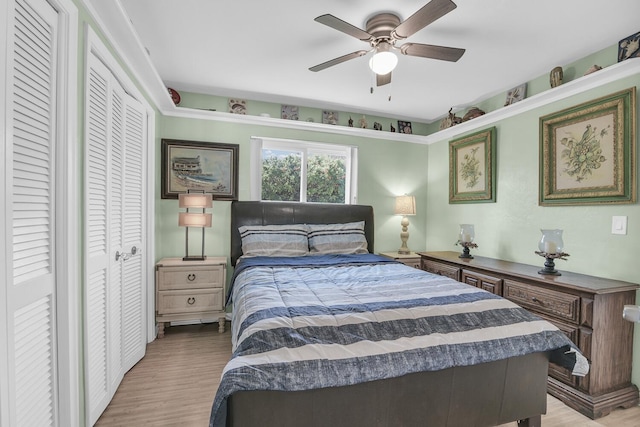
(383,62)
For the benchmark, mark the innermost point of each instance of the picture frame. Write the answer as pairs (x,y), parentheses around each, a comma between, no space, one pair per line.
(516,94)
(289,112)
(237,106)
(587,152)
(195,165)
(472,168)
(404,127)
(330,117)
(629,47)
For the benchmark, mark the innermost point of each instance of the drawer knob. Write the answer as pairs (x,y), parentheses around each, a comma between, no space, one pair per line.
(534,299)
(191,300)
(191,277)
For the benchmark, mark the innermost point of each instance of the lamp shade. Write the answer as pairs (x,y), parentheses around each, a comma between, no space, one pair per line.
(405,205)
(195,200)
(384,61)
(188,219)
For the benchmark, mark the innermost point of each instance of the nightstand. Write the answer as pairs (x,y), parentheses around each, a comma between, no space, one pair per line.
(190,290)
(412,259)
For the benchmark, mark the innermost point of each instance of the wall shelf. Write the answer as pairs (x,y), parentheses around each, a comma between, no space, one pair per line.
(607,75)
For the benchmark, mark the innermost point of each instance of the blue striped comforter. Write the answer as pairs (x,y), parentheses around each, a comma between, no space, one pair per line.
(316,321)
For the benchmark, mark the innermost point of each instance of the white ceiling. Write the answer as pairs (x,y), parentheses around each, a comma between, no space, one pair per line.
(262,50)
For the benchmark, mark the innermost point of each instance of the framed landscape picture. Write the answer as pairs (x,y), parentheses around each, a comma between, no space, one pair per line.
(191,165)
(472,168)
(587,152)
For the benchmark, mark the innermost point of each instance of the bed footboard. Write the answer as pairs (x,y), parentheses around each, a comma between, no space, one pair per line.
(488,394)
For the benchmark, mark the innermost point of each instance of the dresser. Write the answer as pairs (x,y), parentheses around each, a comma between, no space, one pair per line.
(411,259)
(190,291)
(587,309)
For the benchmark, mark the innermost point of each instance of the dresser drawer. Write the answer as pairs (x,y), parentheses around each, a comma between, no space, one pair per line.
(189,301)
(482,281)
(190,277)
(553,303)
(441,269)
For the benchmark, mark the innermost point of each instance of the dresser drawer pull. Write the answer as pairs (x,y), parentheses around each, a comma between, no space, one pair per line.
(534,299)
(191,277)
(191,300)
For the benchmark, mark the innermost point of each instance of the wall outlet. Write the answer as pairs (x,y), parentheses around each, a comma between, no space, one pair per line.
(619,225)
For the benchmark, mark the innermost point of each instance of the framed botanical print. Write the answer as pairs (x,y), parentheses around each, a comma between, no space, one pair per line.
(191,165)
(472,168)
(587,152)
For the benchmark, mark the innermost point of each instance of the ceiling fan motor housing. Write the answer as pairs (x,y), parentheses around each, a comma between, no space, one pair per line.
(381,25)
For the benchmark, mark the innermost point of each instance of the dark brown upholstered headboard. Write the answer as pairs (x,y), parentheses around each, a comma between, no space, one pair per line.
(265,213)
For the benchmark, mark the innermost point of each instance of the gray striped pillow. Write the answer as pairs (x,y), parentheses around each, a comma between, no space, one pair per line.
(274,240)
(345,238)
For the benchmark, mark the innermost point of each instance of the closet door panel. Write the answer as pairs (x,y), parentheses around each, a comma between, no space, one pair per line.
(133,279)
(97,223)
(30,191)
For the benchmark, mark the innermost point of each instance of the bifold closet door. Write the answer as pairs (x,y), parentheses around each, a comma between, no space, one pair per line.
(115,303)
(29,370)
(27,217)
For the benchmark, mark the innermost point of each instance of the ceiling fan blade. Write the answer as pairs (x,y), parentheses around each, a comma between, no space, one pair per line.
(338,60)
(431,51)
(383,79)
(345,27)
(430,12)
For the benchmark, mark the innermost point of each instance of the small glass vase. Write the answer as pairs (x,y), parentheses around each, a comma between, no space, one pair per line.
(465,239)
(551,247)
(467,233)
(551,242)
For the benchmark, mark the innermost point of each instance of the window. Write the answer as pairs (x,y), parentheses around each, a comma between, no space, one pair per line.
(300,171)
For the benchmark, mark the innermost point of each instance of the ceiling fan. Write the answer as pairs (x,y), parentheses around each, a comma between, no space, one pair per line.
(384,30)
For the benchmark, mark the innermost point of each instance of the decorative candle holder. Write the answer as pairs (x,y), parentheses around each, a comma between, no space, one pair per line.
(465,239)
(550,248)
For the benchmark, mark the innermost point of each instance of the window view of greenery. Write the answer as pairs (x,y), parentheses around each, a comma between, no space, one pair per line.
(282,177)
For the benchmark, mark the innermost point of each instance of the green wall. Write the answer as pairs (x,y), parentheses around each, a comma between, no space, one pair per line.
(385,169)
(510,228)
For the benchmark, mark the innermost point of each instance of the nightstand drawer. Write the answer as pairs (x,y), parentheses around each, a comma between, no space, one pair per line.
(189,301)
(190,277)
(557,304)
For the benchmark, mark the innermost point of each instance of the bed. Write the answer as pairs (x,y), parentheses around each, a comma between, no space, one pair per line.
(338,336)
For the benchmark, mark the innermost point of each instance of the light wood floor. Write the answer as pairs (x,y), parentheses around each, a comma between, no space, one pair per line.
(175,383)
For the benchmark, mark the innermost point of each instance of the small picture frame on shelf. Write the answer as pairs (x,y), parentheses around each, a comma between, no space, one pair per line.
(237,106)
(289,112)
(330,117)
(404,127)
(629,47)
(516,94)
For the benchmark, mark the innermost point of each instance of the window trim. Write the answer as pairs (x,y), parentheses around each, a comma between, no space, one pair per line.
(255,162)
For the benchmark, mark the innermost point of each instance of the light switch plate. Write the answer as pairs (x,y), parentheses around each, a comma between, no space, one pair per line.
(619,225)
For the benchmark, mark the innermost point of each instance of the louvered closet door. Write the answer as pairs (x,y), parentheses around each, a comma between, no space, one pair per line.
(133,275)
(98,221)
(115,298)
(31,192)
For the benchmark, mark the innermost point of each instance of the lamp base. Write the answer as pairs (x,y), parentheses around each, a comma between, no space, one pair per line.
(404,251)
(194,258)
